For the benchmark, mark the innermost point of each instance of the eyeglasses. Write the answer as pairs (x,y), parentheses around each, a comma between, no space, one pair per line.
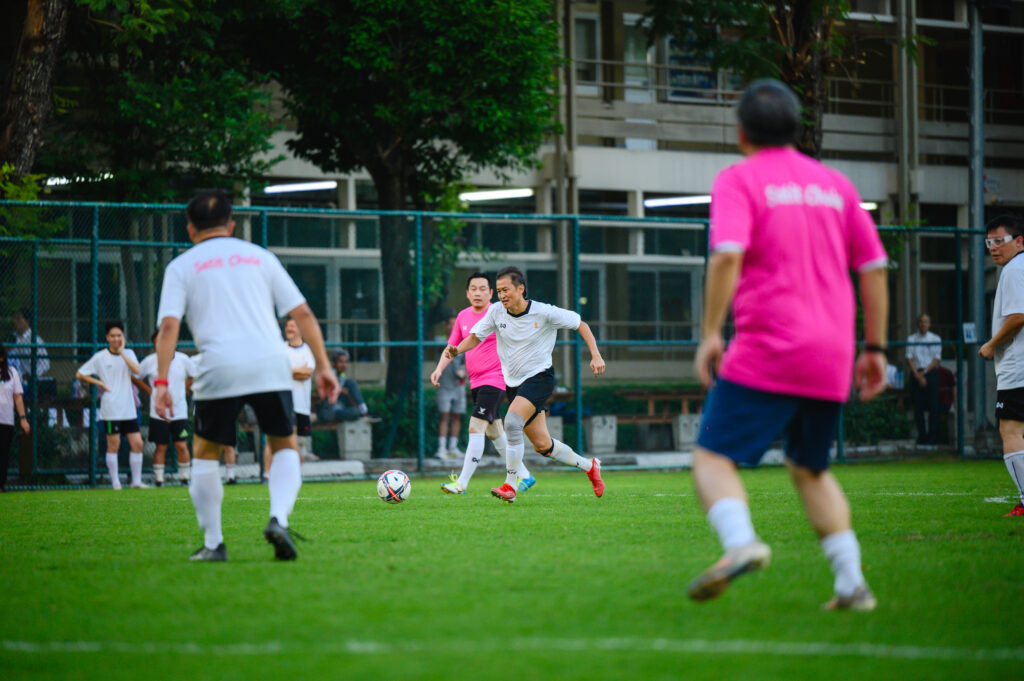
(994,241)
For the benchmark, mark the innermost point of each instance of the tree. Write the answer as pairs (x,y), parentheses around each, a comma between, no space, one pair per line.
(418,94)
(26,100)
(795,42)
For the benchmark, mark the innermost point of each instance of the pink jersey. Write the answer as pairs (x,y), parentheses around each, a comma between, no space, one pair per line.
(801,230)
(482,363)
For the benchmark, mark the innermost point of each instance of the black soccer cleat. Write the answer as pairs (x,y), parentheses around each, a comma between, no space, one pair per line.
(217,555)
(281,539)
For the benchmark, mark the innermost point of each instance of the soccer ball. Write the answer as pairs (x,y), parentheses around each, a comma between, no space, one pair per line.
(394,486)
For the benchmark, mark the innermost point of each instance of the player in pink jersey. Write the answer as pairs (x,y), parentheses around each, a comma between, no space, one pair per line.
(785,233)
(486,383)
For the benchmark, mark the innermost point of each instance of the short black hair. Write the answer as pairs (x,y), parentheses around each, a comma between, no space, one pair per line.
(769,113)
(341,353)
(478,275)
(115,324)
(209,209)
(513,273)
(1013,224)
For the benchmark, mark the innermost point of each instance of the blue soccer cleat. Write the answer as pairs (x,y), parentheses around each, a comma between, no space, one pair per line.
(526,483)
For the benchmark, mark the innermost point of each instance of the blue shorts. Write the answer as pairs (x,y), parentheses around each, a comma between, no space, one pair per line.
(742,423)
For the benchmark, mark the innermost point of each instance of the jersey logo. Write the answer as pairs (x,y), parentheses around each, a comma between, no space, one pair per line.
(482,410)
(502,325)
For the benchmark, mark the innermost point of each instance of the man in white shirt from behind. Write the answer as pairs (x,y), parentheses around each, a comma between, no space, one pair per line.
(231,293)
(111,370)
(162,432)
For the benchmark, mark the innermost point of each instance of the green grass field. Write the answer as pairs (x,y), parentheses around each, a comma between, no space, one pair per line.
(560,585)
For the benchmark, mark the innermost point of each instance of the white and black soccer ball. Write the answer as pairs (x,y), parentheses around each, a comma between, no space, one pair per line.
(394,486)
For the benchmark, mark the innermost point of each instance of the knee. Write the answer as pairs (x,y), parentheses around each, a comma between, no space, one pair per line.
(514,424)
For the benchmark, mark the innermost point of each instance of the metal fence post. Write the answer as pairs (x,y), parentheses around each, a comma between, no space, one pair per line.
(577,373)
(263,227)
(35,355)
(961,394)
(94,314)
(421,417)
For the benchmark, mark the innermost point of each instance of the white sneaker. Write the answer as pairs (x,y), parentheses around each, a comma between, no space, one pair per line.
(736,562)
(861,600)
(139,485)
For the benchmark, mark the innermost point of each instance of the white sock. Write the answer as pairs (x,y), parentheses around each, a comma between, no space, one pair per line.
(500,444)
(184,469)
(440,443)
(135,462)
(158,472)
(285,481)
(524,472)
(843,553)
(115,480)
(229,469)
(563,453)
(474,452)
(513,458)
(453,443)
(207,494)
(1015,465)
(731,519)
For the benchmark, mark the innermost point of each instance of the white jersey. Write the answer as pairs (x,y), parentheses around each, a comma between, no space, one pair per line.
(227,290)
(182,367)
(118,403)
(302,391)
(924,348)
(1009,300)
(526,340)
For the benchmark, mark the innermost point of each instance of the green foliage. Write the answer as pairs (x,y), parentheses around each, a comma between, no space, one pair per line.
(23,221)
(419,91)
(865,423)
(154,103)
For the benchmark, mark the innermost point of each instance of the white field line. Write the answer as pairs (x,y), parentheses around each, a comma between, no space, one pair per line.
(632,644)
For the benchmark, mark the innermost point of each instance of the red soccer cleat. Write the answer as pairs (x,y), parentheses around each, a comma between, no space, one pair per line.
(595,477)
(506,492)
(1017,510)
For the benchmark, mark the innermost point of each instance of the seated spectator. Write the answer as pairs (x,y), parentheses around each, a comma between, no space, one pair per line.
(350,405)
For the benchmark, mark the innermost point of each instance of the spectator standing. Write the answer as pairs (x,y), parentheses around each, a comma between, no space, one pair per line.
(924,354)
(1005,242)
(21,358)
(12,411)
(451,401)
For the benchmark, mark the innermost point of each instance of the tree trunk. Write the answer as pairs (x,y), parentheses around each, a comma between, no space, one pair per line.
(806,70)
(27,100)
(396,243)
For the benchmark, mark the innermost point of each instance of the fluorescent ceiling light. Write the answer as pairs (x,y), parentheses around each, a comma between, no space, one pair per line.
(678,201)
(869,205)
(59,181)
(300,187)
(496,194)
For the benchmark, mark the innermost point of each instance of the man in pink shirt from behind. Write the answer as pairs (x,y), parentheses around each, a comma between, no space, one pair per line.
(486,383)
(785,234)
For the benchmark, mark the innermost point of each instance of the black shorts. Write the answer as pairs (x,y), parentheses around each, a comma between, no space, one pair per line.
(123,427)
(537,389)
(1010,404)
(486,401)
(303,426)
(162,432)
(215,420)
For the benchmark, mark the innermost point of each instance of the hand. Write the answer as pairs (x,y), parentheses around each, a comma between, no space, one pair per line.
(327,385)
(163,403)
(987,350)
(24,426)
(597,365)
(103,386)
(708,359)
(435,377)
(451,352)
(869,374)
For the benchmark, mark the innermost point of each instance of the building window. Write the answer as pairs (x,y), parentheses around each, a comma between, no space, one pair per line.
(587,52)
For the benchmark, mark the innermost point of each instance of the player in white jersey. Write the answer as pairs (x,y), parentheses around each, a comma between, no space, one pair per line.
(111,370)
(526,331)
(303,364)
(162,432)
(227,290)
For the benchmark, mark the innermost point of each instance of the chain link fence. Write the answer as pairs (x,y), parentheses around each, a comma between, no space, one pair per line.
(637,282)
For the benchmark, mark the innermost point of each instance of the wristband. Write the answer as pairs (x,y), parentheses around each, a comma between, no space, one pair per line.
(160,381)
(871,347)
(22,416)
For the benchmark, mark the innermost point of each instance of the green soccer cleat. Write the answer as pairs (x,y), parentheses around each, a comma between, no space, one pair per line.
(453,486)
